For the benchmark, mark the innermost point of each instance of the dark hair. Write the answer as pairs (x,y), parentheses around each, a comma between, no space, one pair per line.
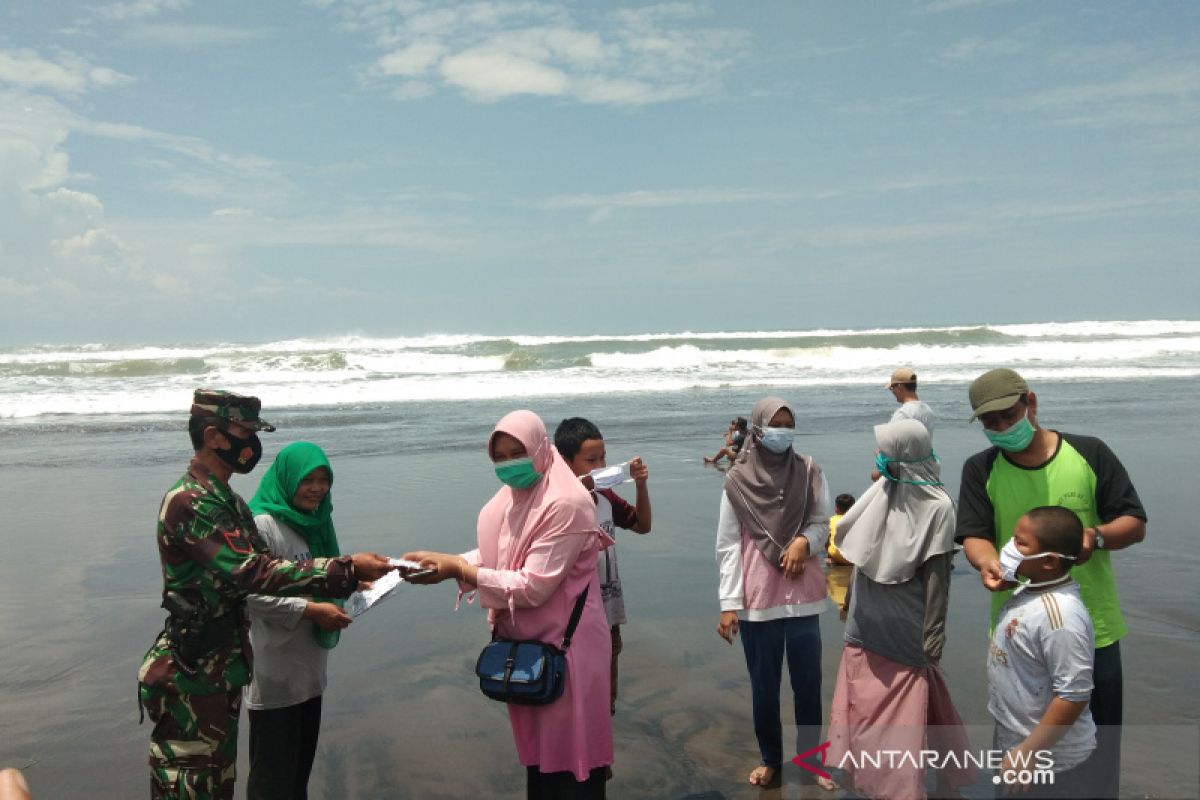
(843,502)
(1058,530)
(570,435)
(196,428)
(910,385)
(742,423)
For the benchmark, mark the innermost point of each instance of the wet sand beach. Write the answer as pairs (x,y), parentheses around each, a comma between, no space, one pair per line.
(79,586)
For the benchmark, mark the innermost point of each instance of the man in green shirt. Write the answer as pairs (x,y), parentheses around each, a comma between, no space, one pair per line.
(190,682)
(1030,466)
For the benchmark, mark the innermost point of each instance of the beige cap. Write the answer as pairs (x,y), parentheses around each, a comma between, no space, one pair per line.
(902,375)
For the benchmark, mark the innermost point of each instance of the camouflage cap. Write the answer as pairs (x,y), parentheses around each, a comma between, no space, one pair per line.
(230,407)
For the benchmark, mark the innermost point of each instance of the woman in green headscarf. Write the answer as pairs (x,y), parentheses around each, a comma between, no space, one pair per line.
(291,637)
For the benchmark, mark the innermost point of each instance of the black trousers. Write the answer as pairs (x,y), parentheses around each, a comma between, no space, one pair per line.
(1104,764)
(563,786)
(283,743)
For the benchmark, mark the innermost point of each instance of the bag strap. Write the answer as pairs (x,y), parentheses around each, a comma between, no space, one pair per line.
(576,613)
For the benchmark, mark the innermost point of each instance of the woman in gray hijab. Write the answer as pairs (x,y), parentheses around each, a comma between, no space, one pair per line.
(771,533)
(900,537)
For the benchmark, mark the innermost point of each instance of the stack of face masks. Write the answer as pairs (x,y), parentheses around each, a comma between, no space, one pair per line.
(608,477)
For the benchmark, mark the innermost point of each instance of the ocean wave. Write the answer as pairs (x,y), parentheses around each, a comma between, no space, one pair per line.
(492,345)
(342,371)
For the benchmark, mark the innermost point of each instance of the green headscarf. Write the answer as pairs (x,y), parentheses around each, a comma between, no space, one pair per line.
(274,496)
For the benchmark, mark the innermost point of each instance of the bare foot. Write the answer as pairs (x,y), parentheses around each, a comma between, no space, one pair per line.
(708,460)
(828,784)
(762,775)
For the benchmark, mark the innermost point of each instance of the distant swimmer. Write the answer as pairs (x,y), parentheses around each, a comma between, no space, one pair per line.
(735,436)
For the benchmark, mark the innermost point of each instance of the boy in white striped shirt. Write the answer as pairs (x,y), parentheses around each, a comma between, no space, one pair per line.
(1040,660)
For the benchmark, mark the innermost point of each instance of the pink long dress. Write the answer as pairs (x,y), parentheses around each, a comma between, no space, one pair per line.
(537,552)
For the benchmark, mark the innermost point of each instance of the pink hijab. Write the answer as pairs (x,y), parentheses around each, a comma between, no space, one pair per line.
(558,503)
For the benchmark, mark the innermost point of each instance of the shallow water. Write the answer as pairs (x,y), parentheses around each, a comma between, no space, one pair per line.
(80,580)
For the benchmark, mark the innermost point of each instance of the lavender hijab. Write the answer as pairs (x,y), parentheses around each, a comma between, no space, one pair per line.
(772,494)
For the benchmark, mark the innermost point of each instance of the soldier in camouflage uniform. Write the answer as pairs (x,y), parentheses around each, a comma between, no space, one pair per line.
(190,682)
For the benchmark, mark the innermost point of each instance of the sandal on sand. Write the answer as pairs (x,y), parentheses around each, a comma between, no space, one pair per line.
(763,776)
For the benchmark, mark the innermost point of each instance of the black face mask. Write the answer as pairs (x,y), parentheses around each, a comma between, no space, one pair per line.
(243,454)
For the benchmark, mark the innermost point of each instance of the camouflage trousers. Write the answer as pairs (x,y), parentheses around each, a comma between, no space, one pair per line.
(193,748)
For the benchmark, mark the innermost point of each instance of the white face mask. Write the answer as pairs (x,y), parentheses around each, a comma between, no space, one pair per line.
(608,477)
(1011,558)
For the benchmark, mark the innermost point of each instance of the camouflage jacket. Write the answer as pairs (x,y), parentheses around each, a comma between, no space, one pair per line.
(212,556)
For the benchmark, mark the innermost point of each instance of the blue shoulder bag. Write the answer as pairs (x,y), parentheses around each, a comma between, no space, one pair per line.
(525,672)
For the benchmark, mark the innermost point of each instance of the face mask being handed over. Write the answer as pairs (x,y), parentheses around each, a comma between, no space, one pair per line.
(778,440)
(243,454)
(1011,558)
(608,477)
(518,473)
(1015,437)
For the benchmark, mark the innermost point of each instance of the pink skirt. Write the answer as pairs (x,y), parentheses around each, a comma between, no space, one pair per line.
(884,714)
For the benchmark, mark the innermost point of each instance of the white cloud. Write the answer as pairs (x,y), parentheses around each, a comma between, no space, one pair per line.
(493,50)
(59,252)
(712,196)
(412,60)
(491,75)
(52,236)
(668,198)
(1160,95)
(979,47)
(69,74)
(943,6)
(139,9)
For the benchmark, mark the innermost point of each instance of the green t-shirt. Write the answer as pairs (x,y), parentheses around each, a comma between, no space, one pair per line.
(1083,475)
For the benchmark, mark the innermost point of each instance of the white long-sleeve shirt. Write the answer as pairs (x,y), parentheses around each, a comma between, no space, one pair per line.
(734,549)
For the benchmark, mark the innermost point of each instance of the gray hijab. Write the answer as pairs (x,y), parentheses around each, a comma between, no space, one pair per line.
(895,527)
(772,494)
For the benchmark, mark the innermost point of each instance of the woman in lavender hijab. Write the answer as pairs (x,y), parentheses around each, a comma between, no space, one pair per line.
(773,525)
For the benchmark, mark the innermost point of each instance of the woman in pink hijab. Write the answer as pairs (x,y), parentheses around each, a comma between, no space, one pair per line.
(537,548)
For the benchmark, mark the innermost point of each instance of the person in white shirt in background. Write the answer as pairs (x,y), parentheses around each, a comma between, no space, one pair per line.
(903,387)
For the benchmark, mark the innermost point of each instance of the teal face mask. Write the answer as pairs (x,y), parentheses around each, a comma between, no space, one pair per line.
(881,466)
(518,473)
(1015,438)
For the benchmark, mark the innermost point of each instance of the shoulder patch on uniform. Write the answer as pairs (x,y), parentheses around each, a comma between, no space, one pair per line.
(238,542)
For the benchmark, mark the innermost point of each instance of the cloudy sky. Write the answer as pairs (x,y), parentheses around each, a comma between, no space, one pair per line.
(178,170)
